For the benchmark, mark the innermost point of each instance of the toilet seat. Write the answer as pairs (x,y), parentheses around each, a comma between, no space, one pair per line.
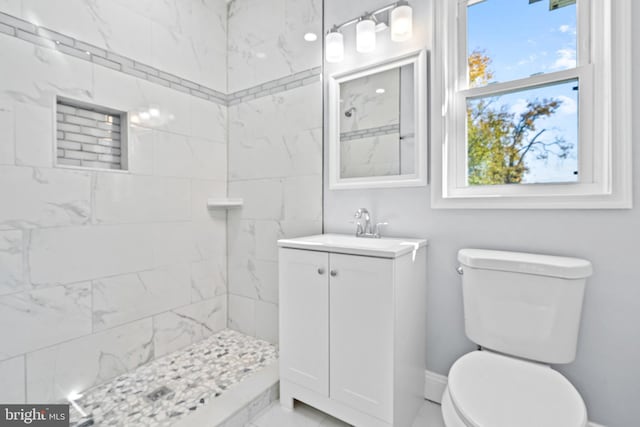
(491,390)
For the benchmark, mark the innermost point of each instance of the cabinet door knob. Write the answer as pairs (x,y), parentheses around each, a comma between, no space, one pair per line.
(334,273)
(320,270)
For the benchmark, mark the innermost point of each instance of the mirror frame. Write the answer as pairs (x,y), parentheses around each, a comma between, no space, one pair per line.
(417,179)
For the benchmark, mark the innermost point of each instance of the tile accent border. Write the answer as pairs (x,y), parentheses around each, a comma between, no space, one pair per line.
(50,39)
(370,132)
(44,37)
(272,87)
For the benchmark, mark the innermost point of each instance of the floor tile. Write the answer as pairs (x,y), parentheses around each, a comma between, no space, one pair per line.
(333,422)
(430,415)
(301,416)
(306,416)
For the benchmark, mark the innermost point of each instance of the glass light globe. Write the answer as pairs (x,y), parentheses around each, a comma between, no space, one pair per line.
(334,47)
(366,36)
(401,23)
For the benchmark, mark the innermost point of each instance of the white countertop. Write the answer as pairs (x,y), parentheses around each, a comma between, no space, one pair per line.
(385,247)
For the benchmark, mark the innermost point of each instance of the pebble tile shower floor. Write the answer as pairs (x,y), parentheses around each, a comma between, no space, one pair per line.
(182,382)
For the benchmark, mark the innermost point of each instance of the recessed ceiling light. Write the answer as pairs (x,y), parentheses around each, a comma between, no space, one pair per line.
(311,37)
(261,55)
(145,115)
(380,91)
(154,112)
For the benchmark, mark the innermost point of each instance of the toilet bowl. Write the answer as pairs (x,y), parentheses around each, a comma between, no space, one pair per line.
(524,310)
(486,389)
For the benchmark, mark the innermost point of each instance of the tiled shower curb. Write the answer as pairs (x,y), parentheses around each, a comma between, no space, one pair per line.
(240,404)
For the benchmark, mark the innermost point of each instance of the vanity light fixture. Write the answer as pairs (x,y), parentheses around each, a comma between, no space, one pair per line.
(398,16)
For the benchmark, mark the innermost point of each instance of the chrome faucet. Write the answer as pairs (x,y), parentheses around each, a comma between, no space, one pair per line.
(365,229)
(362,230)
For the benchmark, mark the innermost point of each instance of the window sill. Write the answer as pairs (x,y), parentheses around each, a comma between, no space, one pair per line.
(608,201)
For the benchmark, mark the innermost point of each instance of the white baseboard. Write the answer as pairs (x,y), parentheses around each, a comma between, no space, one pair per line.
(435,384)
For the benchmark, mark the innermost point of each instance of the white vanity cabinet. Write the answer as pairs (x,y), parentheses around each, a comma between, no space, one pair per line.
(352,321)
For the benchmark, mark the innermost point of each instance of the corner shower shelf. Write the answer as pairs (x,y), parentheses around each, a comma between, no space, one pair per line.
(224,203)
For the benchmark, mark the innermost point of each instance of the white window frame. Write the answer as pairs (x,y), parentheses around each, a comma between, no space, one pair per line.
(604,147)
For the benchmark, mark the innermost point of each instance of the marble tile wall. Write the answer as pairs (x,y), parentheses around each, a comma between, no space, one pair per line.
(371,156)
(275,148)
(130,266)
(182,37)
(265,40)
(102,271)
(367,108)
(45,37)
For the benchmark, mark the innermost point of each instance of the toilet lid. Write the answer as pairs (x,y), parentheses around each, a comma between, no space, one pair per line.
(491,390)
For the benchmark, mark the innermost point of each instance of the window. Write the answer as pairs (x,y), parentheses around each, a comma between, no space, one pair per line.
(534,108)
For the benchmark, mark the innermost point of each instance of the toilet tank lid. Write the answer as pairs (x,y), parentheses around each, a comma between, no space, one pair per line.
(526,263)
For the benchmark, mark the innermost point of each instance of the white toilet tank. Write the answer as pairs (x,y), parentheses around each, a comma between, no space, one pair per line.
(525,305)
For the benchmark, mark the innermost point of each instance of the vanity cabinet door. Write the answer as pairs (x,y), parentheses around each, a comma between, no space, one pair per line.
(304,318)
(361,333)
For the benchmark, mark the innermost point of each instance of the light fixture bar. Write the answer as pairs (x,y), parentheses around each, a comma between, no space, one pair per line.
(366,14)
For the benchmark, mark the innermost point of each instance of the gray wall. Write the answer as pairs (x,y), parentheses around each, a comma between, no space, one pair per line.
(606,370)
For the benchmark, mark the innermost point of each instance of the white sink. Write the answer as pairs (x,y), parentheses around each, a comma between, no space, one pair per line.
(348,244)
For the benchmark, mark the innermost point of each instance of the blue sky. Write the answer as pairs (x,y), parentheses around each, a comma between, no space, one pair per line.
(525,39)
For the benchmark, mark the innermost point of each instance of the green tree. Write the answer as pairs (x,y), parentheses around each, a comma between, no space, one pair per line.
(500,141)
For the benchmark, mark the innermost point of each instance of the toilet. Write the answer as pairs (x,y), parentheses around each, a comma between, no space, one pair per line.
(523,310)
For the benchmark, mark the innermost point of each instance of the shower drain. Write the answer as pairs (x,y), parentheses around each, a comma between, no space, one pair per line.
(159,393)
